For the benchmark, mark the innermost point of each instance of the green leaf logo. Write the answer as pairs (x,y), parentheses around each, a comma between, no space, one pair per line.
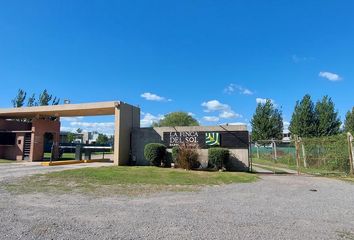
(212,139)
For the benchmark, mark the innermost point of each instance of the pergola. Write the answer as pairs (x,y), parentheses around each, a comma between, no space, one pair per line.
(127,117)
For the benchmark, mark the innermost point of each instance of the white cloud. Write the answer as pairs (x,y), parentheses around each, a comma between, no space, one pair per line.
(68,129)
(224,110)
(101,127)
(286,125)
(154,97)
(229,114)
(71,119)
(231,88)
(211,119)
(247,92)
(149,119)
(264,100)
(330,76)
(214,105)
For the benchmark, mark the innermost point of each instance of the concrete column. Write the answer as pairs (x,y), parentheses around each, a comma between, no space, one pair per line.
(127,117)
(116,136)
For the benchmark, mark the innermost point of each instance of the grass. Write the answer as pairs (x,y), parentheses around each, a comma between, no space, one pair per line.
(311,171)
(125,180)
(7,161)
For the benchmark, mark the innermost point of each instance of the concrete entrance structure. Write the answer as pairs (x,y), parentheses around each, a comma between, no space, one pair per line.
(233,137)
(126,116)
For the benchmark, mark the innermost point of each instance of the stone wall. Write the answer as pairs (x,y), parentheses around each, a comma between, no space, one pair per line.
(142,136)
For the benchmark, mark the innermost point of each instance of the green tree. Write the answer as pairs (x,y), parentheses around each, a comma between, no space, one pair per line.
(328,122)
(267,122)
(177,119)
(70,137)
(46,99)
(303,121)
(31,101)
(102,139)
(79,130)
(349,122)
(20,98)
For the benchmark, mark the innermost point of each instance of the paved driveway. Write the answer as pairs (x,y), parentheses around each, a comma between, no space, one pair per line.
(276,207)
(14,170)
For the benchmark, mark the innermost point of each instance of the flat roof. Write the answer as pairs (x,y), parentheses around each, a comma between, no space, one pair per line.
(64,110)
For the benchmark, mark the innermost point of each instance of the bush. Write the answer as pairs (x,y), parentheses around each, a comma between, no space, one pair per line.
(188,157)
(218,157)
(155,153)
(175,151)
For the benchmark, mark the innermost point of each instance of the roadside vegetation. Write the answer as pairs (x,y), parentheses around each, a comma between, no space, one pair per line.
(125,181)
(6,161)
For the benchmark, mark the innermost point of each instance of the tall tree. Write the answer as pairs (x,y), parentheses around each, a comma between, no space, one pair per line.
(349,122)
(70,137)
(267,122)
(31,101)
(177,119)
(45,99)
(20,98)
(328,122)
(102,139)
(303,121)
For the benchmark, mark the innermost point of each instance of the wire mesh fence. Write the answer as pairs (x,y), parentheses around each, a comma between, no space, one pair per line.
(321,155)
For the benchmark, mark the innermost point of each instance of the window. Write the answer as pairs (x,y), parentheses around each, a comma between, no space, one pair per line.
(7,138)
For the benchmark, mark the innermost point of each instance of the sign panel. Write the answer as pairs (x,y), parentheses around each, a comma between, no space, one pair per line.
(231,139)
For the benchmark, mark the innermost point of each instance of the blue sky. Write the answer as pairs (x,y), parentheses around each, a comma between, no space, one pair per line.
(213,59)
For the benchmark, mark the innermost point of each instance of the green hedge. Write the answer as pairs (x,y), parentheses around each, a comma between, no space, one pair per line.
(218,157)
(155,153)
(175,151)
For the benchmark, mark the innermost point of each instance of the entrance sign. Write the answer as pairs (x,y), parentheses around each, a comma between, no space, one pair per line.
(227,139)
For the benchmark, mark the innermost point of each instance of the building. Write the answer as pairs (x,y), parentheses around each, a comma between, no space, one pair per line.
(24,132)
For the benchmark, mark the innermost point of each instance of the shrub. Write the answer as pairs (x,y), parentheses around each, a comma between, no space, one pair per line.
(218,157)
(155,153)
(188,157)
(175,151)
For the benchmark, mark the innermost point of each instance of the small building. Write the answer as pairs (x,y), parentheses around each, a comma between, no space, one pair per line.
(25,132)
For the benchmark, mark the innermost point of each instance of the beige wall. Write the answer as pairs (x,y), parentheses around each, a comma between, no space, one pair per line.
(127,117)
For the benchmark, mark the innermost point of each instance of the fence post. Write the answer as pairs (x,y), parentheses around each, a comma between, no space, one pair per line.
(274,145)
(303,153)
(351,152)
(257,147)
(297,148)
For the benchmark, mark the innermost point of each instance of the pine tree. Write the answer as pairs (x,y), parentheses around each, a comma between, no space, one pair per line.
(45,99)
(20,98)
(31,101)
(328,122)
(303,121)
(349,122)
(267,122)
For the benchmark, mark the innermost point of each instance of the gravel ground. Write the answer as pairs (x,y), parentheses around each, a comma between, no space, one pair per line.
(276,207)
